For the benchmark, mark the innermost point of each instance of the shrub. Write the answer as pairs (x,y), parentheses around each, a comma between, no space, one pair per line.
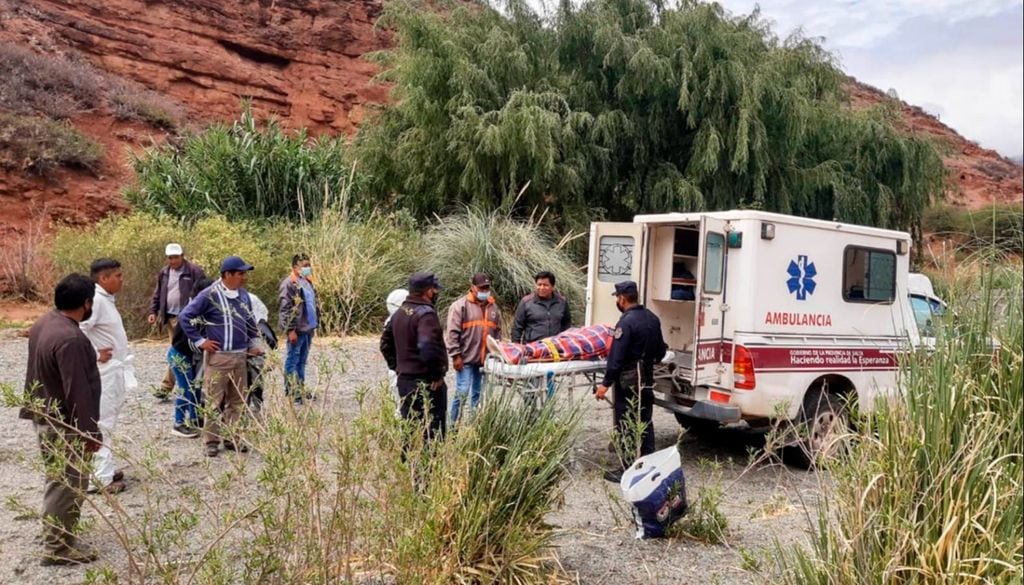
(40,145)
(356,264)
(52,86)
(133,102)
(243,170)
(999,226)
(137,241)
(510,251)
(931,492)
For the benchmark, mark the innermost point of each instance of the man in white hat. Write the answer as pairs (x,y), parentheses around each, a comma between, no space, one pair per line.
(173,290)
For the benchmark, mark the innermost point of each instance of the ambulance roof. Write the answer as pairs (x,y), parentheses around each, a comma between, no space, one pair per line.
(778,218)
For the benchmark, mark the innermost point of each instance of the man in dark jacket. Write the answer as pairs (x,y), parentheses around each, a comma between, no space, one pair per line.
(638,345)
(174,284)
(63,382)
(413,346)
(542,313)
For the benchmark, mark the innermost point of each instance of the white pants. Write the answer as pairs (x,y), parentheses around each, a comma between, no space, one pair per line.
(117,379)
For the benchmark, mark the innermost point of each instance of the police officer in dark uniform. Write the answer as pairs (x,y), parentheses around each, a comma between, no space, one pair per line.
(413,346)
(637,346)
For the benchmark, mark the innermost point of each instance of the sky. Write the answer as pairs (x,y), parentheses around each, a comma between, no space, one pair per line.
(960,60)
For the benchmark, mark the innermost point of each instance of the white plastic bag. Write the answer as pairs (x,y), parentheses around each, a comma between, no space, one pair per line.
(656,488)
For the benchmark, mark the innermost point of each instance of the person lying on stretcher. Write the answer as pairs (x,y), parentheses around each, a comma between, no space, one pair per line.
(578,343)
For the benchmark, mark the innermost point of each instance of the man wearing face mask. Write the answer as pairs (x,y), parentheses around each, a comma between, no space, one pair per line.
(413,346)
(299,317)
(471,319)
(638,345)
(63,381)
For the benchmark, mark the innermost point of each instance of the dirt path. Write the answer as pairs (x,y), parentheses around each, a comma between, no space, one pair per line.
(595,533)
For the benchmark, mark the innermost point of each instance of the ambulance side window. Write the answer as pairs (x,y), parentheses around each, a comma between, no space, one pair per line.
(869,275)
(923,315)
(714,262)
(615,258)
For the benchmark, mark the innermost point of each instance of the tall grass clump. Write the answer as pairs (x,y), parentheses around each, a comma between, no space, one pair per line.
(932,490)
(509,250)
(477,513)
(245,170)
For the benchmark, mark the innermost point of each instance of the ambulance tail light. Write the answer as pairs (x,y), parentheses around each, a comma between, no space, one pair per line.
(743,369)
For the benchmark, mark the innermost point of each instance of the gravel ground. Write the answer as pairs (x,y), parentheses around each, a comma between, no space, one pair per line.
(763,503)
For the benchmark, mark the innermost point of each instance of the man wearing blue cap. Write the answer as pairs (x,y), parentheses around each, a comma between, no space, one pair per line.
(637,345)
(223,313)
(413,346)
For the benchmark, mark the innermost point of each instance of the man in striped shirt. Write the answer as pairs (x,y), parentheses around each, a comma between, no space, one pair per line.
(223,313)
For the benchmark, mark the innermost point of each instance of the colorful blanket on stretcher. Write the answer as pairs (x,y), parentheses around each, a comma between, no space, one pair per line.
(580,343)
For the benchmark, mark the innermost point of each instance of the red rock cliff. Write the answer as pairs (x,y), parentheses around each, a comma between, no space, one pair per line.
(298,59)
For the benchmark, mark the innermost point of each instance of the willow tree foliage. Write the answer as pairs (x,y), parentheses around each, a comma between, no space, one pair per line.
(613,107)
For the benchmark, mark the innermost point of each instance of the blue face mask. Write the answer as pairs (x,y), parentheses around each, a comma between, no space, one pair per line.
(306,271)
(483,295)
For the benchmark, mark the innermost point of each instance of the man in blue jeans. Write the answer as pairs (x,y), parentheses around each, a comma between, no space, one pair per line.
(299,319)
(471,319)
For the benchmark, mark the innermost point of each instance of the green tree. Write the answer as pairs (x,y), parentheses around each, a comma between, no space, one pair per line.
(614,107)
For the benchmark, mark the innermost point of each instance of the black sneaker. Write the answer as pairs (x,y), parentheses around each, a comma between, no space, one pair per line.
(185,431)
(241,447)
(212,449)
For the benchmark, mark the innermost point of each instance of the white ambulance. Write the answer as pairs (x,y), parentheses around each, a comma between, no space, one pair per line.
(769,317)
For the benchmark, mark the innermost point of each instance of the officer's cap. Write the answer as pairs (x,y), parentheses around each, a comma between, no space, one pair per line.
(423,281)
(626,287)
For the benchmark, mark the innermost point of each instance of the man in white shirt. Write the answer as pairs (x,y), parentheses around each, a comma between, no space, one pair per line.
(105,331)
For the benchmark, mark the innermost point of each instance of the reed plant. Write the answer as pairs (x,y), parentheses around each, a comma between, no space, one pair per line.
(930,490)
(511,251)
(249,170)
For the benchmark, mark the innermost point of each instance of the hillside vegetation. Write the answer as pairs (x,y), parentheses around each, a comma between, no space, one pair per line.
(613,107)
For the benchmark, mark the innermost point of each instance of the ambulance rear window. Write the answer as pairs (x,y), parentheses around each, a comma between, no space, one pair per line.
(869,275)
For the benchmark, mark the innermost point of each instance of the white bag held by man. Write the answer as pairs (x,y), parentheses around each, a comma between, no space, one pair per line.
(656,488)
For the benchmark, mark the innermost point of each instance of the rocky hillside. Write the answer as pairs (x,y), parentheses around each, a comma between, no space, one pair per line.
(301,60)
(978,176)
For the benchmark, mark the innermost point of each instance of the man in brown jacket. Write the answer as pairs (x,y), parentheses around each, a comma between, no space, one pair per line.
(63,383)
(471,319)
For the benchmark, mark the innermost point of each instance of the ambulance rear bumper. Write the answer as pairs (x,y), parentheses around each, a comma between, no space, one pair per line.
(705,409)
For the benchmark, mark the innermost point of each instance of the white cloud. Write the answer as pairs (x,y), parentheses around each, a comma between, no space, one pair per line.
(962,59)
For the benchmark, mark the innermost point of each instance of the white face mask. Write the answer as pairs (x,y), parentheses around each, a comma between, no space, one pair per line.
(483,295)
(231,294)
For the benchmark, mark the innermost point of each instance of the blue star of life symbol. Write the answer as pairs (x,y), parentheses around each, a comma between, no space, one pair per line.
(801,277)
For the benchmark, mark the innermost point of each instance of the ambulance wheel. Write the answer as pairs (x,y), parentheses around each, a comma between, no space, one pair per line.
(820,427)
(696,426)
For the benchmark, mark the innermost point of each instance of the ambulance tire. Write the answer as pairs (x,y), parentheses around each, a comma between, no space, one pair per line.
(821,421)
(696,426)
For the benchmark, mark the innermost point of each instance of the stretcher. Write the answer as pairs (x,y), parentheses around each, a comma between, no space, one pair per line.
(539,380)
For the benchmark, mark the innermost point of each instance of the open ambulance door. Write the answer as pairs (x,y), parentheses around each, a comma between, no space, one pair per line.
(616,253)
(713,353)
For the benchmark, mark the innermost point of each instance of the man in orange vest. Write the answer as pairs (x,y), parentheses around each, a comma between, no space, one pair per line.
(471,319)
